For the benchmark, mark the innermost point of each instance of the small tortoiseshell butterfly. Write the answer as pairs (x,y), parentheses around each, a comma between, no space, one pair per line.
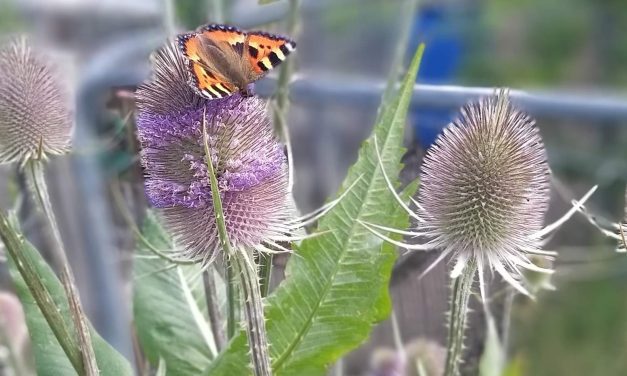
(223,60)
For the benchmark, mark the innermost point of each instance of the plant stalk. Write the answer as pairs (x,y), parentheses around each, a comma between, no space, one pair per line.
(282,93)
(265,273)
(253,311)
(216,11)
(460,295)
(14,243)
(240,261)
(231,301)
(35,175)
(215,316)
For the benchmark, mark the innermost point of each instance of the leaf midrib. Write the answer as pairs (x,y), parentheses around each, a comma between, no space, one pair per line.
(281,359)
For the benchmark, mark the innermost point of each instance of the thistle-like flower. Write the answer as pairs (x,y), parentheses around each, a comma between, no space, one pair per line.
(195,150)
(35,118)
(484,192)
(250,165)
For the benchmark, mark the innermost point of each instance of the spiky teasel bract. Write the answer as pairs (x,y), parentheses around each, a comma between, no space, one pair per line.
(35,116)
(484,192)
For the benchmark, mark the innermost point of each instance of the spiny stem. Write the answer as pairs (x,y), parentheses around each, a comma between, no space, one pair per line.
(239,261)
(253,311)
(460,296)
(35,175)
(215,316)
(265,272)
(231,301)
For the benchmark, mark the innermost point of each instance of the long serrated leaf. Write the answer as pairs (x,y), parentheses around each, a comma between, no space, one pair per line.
(50,358)
(336,288)
(170,324)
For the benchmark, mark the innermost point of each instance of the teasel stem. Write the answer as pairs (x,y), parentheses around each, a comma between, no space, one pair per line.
(169,17)
(213,308)
(265,273)
(37,182)
(231,302)
(244,263)
(282,93)
(216,11)
(240,261)
(25,266)
(460,296)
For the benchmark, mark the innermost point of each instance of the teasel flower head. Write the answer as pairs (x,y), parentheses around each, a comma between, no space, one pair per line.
(35,116)
(249,162)
(484,192)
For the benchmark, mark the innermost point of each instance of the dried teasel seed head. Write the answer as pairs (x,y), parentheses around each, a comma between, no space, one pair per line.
(485,187)
(35,116)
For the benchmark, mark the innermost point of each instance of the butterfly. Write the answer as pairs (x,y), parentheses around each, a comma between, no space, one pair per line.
(223,60)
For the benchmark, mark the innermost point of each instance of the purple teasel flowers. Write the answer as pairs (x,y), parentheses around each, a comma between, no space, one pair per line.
(249,162)
(35,116)
(484,193)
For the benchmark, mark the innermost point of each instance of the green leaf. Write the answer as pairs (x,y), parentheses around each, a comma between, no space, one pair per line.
(50,358)
(337,286)
(169,309)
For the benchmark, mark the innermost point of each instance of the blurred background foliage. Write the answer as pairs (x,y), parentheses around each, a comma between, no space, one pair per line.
(580,329)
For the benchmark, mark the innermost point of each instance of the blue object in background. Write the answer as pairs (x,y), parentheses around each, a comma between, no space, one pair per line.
(434,24)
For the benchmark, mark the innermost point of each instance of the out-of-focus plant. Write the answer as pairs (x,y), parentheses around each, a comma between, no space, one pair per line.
(35,123)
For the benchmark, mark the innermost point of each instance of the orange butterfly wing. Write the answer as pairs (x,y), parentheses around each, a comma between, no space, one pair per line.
(209,84)
(266,51)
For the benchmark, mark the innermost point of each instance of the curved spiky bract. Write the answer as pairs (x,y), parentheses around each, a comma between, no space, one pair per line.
(35,117)
(485,186)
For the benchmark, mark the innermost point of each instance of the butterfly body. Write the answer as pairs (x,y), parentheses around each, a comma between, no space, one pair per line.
(223,60)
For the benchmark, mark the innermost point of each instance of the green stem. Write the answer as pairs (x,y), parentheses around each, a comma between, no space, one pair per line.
(35,175)
(213,308)
(216,11)
(265,273)
(460,296)
(25,266)
(253,312)
(231,301)
(282,93)
(239,261)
